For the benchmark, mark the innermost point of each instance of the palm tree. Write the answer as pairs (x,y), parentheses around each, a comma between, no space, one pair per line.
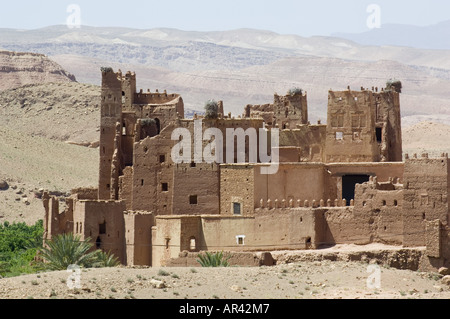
(66,249)
(216,259)
(106,259)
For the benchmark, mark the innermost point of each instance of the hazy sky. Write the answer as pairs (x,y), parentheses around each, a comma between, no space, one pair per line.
(306,18)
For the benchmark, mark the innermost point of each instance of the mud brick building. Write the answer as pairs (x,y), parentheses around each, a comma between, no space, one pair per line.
(343,182)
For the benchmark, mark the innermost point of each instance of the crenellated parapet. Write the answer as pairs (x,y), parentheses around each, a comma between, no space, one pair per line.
(299,203)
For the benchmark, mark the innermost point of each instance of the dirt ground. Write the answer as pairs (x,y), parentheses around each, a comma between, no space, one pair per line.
(300,280)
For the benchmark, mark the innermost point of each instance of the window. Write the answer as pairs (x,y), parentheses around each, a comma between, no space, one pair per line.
(162,158)
(237,208)
(165,187)
(379,134)
(193,200)
(240,240)
(167,243)
(102,228)
(192,244)
(339,136)
(193,164)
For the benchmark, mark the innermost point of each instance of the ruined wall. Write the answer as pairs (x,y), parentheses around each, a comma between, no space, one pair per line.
(290,110)
(383,171)
(309,139)
(85,193)
(126,187)
(103,222)
(129,121)
(111,114)
(426,183)
(388,119)
(286,112)
(364,126)
(153,167)
(351,127)
(378,206)
(56,222)
(128,82)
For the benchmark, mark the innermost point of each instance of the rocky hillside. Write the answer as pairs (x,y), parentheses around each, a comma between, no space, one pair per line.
(243,66)
(65,112)
(18,69)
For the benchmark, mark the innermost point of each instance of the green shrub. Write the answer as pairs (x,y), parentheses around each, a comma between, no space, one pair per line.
(18,246)
(295,91)
(105,259)
(211,109)
(216,259)
(394,84)
(65,250)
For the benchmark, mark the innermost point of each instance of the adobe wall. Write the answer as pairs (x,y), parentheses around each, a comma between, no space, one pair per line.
(126,187)
(241,259)
(286,112)
(196,180)
(166,239)
(88,216)
(426,183)
(301,181)
(237,183)
(111,114)
(379,208)
(138,237)
(85,193)
(388,118)
(310,139)
(383,171)
(269,229)
(290,110)
(56,222)
(151,169)
(351,127)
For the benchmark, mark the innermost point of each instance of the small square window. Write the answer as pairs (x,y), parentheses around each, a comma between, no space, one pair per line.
(237,208)
(240,240)
(165,187)
(193,200)
(162,158)
(339,136)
